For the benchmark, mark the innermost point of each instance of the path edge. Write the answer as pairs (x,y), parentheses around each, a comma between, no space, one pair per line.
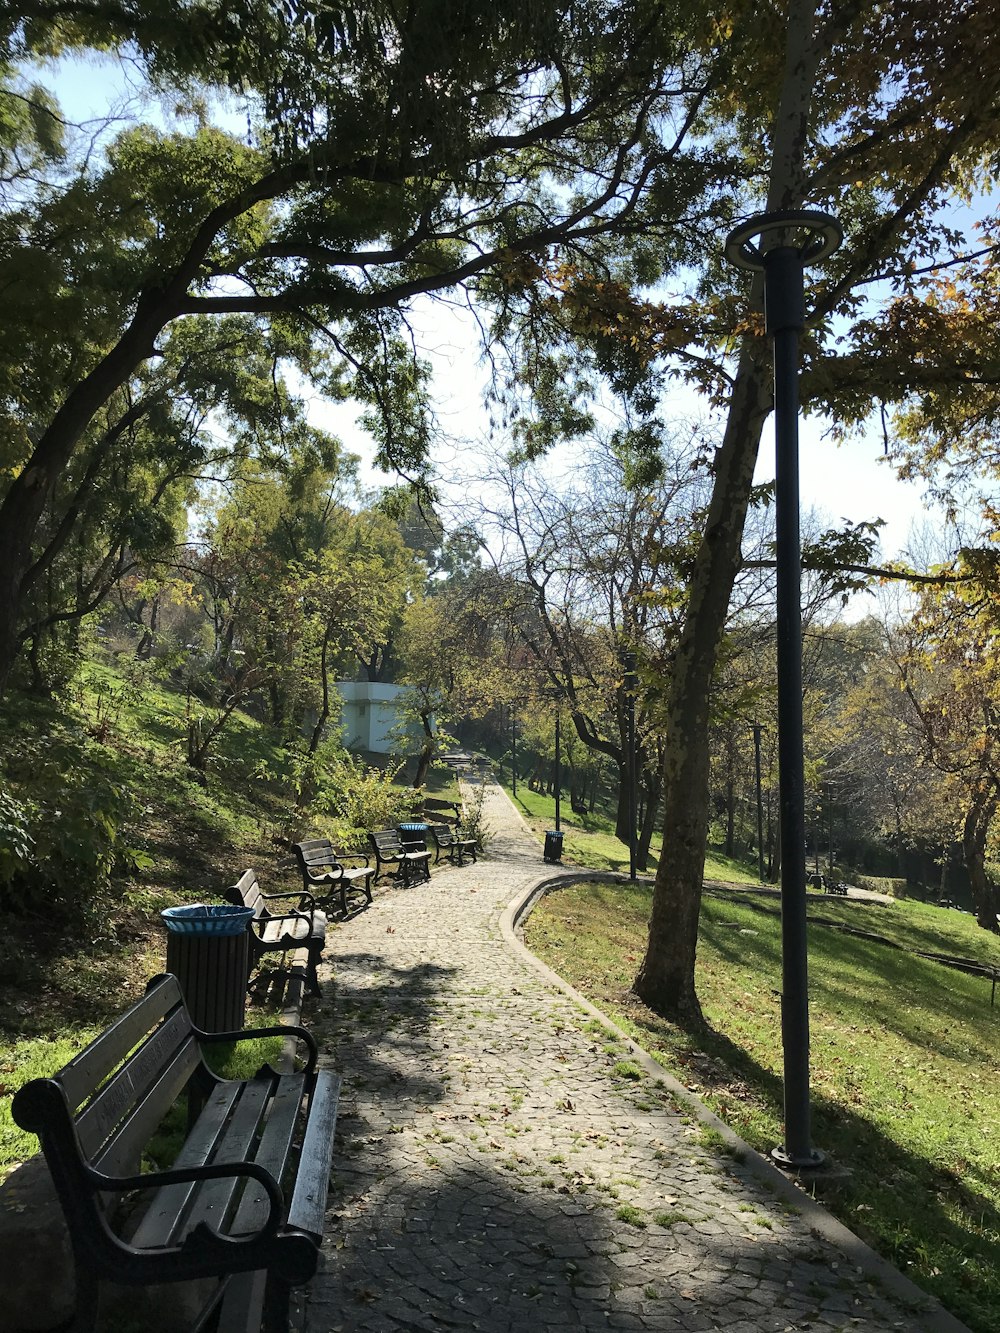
(860,1255)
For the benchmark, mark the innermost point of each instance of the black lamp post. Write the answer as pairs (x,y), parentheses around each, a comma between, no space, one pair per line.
(558,772)
(631,683)
(513,752)
(766,244)
(760,802)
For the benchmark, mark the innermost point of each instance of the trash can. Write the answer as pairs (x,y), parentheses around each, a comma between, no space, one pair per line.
(208,953)
(553,845)
(413,836)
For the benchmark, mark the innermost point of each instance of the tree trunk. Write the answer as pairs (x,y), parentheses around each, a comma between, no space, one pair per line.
(622,814)
(324,711)
(974,835)
(648,822)
(426,752)
(666,978)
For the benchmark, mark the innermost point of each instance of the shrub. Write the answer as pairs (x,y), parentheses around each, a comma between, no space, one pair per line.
(473,823)
(347,796)
(61,813)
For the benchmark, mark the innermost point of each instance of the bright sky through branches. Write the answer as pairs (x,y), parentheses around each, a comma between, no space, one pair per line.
(850,482)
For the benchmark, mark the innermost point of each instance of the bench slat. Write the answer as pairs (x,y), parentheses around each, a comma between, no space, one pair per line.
(308,1206)
(271,1153)
(90,1068)
(121,1154)
(243,1304)
(214,1201)
(169,1204)
(133,1081)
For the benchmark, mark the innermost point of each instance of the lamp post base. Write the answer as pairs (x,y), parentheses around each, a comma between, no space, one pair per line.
(794,1162)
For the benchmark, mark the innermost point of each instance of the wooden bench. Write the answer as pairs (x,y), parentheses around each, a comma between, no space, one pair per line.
(408,862)
(302,926)
(324,871)
(240,1204)
(451,841)
(436,810)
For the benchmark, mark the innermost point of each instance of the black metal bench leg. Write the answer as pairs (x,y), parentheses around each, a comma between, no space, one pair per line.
(312,979)
(276,1306)
(84,1317)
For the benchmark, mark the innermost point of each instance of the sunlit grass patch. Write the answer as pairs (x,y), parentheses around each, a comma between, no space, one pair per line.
(903,1059)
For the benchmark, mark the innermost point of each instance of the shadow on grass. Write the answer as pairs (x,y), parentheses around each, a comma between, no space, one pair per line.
(937,1224)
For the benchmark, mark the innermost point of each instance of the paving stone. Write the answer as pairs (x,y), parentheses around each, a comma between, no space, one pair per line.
(466,1073)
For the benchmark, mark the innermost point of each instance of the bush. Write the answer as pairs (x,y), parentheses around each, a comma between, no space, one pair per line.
(893,888)
(347,796)
(61,814)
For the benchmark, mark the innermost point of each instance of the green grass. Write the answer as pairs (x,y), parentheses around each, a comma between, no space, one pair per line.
(590,841)
(18,1064)
(40,1058)
(904,1057)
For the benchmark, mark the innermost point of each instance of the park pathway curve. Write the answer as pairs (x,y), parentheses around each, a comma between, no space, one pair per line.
(495,1163)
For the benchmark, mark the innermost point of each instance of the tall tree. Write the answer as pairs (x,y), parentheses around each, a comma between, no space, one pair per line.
(596,582)
(394,151)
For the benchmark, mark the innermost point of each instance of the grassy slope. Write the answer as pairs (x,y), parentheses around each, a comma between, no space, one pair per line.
(191,839)
(589,840)
(904,1054)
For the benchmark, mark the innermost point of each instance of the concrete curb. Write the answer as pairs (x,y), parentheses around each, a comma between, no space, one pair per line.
(935,1318)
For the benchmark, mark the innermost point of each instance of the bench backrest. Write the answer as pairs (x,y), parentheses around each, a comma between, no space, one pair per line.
(444,834)
(315,855)
(105,1104)
(387,841)
(246,893)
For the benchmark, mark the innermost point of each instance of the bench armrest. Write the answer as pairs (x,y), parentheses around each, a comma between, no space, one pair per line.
(274,1030)
(189,1175)
(306,901)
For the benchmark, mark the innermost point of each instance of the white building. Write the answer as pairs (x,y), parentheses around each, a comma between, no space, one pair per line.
(369,716)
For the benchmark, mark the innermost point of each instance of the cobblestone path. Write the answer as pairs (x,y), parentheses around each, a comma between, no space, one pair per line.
(498,1169)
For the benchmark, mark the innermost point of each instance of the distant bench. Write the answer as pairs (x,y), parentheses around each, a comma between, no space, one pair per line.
(453,843)
(408,859)
(828,884)
(325,871)
(302,926)
(222,1209)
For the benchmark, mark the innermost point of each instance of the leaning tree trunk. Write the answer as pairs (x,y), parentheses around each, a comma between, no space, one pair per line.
(666,977)
(426,751)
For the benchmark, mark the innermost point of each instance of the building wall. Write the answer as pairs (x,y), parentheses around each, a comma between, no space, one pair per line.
(369,714)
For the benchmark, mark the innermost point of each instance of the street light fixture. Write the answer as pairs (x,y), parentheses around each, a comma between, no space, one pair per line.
(766,244)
